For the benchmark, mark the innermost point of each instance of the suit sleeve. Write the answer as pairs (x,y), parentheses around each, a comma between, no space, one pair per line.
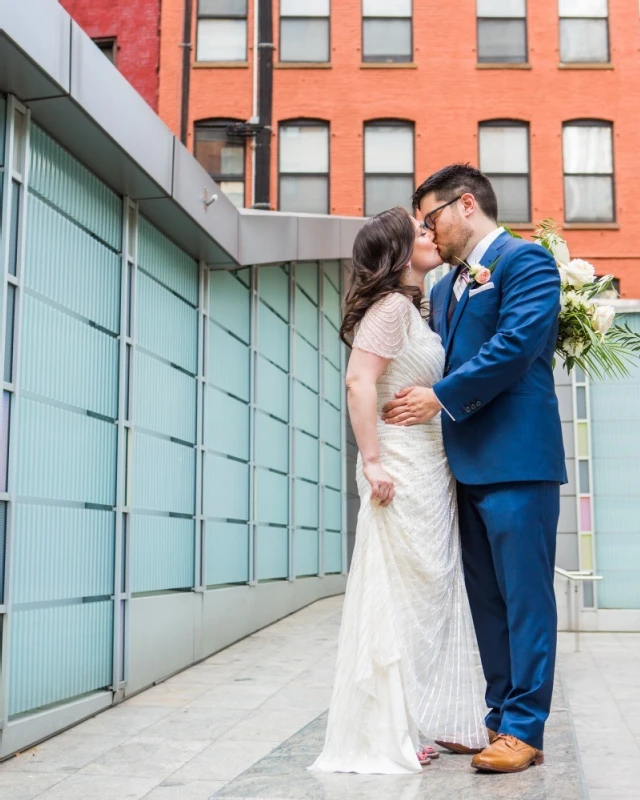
(527,317)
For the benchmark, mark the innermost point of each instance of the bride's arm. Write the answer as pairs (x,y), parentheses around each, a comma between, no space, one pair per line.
(362,398)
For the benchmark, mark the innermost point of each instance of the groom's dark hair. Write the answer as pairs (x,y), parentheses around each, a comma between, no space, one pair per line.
(457,179)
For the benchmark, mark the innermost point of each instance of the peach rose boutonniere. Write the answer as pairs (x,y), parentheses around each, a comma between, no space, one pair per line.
(480,274)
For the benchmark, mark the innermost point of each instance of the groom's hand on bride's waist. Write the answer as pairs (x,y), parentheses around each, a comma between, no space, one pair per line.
(412,406)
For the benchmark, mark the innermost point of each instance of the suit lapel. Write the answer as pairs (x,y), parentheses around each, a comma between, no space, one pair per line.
(488,258)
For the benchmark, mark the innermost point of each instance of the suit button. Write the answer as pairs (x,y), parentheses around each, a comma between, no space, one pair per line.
(467,409)
(447,369)
(473,405)
(478,403)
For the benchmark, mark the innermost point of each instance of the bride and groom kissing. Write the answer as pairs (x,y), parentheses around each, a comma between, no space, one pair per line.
(459,471)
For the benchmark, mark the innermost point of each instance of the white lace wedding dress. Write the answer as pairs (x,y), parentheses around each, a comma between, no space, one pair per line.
(407,663)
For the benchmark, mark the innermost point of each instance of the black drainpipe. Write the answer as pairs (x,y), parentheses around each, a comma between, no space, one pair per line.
(186,71)
(265,105)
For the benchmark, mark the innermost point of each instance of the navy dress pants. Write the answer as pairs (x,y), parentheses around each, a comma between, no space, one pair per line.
(508,535)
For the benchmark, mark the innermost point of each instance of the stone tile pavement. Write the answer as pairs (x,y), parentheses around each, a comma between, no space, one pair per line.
(602,685)
(246,722)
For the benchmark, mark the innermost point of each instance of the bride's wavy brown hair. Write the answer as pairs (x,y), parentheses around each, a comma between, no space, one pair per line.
(381,251)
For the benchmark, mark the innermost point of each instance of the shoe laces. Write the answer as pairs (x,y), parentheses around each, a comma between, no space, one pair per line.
(510,740)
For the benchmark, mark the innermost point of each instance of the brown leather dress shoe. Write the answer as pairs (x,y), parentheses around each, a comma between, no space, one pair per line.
(507,754)
(460,749)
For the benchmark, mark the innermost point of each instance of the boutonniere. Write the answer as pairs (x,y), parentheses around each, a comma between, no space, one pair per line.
(480,274)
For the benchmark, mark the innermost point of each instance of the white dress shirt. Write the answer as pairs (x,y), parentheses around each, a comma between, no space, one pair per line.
(476,255)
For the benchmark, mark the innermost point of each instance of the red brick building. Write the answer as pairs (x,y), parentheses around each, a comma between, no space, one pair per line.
(370,96)
(128,32)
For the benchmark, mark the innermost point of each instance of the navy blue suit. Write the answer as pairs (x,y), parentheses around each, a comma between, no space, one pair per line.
(503,439)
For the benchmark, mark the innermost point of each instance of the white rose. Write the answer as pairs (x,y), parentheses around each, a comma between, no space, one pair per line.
(572,347)
(559,249)
(603,318)
(577,273)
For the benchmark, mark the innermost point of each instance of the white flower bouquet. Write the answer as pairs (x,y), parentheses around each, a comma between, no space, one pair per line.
(587,336)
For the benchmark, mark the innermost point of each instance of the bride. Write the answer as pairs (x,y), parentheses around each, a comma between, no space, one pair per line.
(407,663)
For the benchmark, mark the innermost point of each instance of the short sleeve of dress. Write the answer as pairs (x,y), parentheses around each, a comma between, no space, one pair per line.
(384,329)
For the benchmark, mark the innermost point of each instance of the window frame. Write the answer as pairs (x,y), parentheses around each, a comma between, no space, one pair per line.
(511,123)
(590,123)
(103,42)
(223,17)
(304,122)
(385,122)
(606,20)
(387,59)
(222,124)
(524,19)
(299,19)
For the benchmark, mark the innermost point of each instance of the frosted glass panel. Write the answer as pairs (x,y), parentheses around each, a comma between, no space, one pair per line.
(223,8)
(384,39)
(584,40)
(587,149)
(584,482)
(304,195)
(585,514)
(588,198)
(305,8)
(513,198)
(583,440)
(386,8)
(586,551)
(382,193)
(304,40)
(583,8)
(504,149)
(581,398)
(304,148)
(502,8)
(222,40)
(502,41)
(388,148)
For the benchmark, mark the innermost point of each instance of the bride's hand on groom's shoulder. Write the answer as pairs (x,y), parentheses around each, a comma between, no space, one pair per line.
(412,406)
(382,486)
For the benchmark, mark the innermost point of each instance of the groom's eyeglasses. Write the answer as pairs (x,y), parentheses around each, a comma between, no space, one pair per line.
(430,219)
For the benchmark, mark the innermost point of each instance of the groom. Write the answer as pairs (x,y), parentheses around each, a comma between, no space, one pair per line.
(503,439)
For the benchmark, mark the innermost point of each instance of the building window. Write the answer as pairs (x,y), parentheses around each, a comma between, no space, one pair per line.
(304,30)
(588,171)
(502,31)
(222,30)
(108,47)
(584,31)
(386,31)
(504,158)
(222,156)
(388,165)
(304,166)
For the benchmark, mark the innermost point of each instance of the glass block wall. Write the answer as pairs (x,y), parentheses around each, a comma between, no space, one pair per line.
(615,443)
(165,428)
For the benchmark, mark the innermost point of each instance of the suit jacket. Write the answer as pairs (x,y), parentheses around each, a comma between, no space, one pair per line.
(501,422)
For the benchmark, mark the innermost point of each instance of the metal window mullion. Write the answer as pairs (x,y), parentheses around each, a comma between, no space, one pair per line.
(252,424)
(13,107)
(121,522)
(343,439)
(575,385)
(321,489)
(292,462)
(594,584)
(131,341)
(199,532)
